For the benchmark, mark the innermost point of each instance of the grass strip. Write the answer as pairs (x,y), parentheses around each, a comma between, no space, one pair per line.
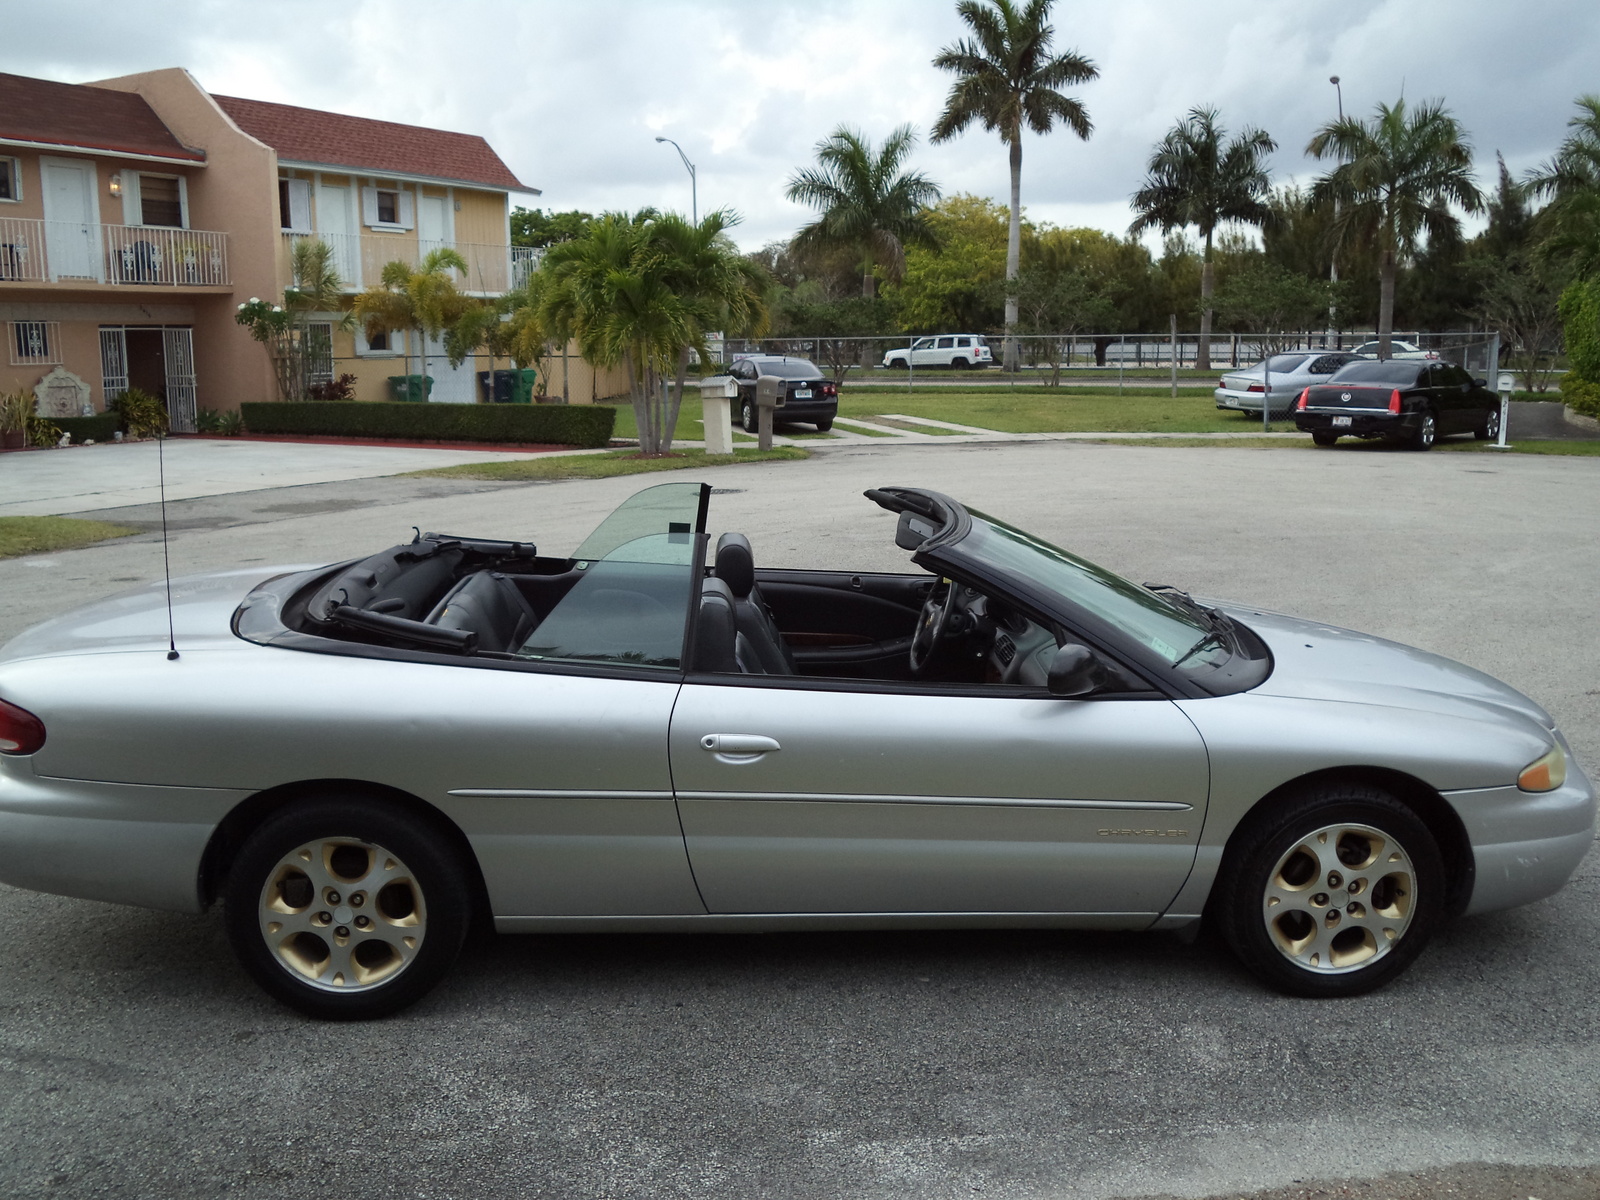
(41,535)
(1057,411)
(603,466)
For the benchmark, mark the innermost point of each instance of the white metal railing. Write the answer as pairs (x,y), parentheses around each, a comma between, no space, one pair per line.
(525,261)
(360,259)
(38,251)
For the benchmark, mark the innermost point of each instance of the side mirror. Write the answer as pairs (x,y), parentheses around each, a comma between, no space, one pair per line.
(1075,671)
(1483,383)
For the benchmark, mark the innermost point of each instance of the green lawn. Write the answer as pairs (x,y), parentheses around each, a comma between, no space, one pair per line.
(40,535)
(601,466)
(1057,411)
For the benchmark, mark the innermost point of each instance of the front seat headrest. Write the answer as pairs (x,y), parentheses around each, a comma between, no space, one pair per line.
(736,563)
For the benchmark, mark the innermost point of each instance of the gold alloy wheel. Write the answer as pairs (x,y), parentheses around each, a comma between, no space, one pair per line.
(342,915)
(1340,898)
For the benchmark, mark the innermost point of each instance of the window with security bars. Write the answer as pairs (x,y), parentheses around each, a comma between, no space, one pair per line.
(35,343)
(319,352)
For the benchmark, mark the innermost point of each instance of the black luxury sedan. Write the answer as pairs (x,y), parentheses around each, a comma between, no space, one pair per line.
(810,395)
(1402,400)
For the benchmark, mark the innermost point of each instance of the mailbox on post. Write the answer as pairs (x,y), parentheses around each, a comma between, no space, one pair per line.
(770,392)
(717,392)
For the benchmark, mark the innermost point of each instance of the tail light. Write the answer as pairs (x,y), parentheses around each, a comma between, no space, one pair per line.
(830,389)
(1255,387)
(1394,402)
(1222,383)
(1305,397)
(20,731)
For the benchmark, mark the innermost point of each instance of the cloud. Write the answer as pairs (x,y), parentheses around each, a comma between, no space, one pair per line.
(572,96)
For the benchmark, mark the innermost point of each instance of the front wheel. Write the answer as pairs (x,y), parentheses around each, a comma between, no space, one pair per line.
(1491,427)
(346,909)
(1323,438)
(1332,893)
(747,416)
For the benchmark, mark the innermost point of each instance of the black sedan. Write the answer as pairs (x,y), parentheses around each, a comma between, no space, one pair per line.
(1402,400)
(809,395)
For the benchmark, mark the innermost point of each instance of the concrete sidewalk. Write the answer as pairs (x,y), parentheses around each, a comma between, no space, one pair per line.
(114,475)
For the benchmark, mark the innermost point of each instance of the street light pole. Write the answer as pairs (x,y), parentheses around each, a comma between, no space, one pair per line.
(1333,258)
(694,197)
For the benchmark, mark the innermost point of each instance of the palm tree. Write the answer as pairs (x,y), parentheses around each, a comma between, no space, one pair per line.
(1006,77)
(1397,177)
(1197,180)
(1571,182)
(868,204)
(423,300)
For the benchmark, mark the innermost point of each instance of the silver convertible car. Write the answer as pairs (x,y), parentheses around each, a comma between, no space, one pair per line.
(363,760)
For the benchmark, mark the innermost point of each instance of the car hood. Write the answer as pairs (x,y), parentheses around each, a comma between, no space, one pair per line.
(1313,661)
(202,612)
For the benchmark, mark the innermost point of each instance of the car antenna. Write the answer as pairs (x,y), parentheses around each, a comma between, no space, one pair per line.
(166,560)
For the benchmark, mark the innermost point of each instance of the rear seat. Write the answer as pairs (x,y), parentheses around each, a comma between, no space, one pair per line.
(490,605)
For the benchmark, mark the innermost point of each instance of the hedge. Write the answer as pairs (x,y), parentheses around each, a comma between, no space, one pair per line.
(561,425)
(100,428)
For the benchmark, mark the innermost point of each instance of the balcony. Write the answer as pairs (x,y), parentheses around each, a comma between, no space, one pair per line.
(34,251)
(359,260)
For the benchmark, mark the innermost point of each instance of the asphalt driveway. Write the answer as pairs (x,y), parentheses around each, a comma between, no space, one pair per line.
(135,1058)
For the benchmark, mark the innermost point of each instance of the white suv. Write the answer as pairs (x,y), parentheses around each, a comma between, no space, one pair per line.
(958,350)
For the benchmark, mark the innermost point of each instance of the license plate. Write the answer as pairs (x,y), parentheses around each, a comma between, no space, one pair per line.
(1341,422)
(802,393)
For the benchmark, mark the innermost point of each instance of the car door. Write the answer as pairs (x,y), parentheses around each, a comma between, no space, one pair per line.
(923,353)
(811,796)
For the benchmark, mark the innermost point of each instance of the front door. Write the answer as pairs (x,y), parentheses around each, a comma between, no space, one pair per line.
(451,385)
(71,232)
(336,226)
(801,799)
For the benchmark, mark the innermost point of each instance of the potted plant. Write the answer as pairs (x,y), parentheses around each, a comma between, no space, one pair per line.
(15,409)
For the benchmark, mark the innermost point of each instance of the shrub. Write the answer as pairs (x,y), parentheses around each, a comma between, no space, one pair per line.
(342,388)
(85,429)
(43,433)
(563,425)
(230,423)
(140,414)
(1580,395)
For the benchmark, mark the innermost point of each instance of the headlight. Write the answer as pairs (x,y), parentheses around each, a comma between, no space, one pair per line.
(1544,774)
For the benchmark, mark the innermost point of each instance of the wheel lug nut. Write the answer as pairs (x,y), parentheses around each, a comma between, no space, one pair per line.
(1334,879)
(1355,886)
(324,918)
(333,897)
(363,921)
(1320,899)
(357,899)
(342,931)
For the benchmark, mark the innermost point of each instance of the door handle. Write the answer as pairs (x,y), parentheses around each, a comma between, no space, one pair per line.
(739,743)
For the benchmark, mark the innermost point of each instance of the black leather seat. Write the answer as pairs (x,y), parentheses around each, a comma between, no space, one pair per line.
(490,605)
(736,566)
(719,646)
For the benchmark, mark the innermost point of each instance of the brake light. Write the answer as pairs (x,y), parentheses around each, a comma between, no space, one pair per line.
(1255,387)
(20,731)
(1305,396)
(830,389)
(1394,402)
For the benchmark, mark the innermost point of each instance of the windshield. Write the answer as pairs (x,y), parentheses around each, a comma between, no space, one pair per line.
(1392,372)
(1179,636)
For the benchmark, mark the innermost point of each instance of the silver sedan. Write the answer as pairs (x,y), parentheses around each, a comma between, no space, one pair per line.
(362,760)
(1288,375)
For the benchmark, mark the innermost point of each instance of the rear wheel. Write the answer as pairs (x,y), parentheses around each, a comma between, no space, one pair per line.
(1332,893)
(1323,438)
(824,426)
(959,364)
(346,909)
(1422,438)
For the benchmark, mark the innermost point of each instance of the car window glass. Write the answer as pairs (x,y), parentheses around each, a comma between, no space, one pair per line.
(946,343)
(963,342)
(923,344)
(1396,374)
(1284,364)
(1327,364)
(792,370)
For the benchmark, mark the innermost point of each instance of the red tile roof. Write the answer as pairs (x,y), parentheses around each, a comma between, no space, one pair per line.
(312,136)
(84,117)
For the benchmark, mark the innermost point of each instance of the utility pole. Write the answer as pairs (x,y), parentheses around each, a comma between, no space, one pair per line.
(1333,265)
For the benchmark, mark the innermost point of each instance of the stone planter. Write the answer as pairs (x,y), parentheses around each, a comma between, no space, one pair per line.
(1580,419)
(14,439)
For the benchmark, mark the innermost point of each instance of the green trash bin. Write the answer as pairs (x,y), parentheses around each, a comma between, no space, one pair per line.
(522,393)
(410,388)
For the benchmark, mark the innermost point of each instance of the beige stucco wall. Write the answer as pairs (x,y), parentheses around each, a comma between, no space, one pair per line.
(237,193)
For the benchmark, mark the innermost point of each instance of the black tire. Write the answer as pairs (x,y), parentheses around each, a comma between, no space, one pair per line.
(1323,438)
(1273,854)
(959,364)
(747,417)
(824,426)
(1426,432)
(1491,426)
(351,846)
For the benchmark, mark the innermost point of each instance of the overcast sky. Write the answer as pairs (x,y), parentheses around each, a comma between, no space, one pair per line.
(573,95)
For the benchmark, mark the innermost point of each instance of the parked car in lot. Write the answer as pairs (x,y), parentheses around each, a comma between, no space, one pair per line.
(955,350)
(1402,400)
(809,395)
(1397,349)
(1290,374)
(363,759)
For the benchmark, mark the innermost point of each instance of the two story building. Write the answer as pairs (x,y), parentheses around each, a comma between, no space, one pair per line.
(137,213)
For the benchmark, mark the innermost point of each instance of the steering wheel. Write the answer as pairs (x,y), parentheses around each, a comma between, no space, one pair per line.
(931,623)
